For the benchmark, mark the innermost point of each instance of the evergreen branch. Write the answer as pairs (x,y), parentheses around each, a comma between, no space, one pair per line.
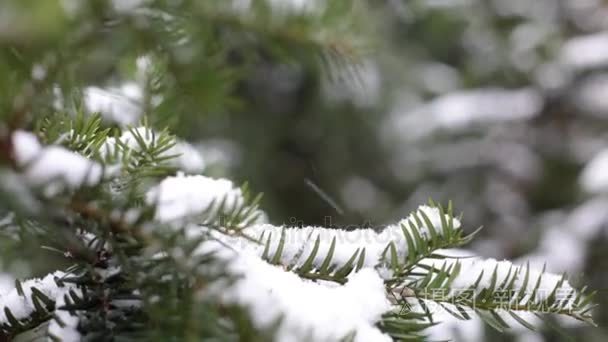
(30,303)
(499,287)
(405,325)
(330,254)
(424,238)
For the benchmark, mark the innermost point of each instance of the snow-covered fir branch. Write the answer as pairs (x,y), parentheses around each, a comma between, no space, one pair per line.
(305,282)
(40,299)
(54,167)
(322,311)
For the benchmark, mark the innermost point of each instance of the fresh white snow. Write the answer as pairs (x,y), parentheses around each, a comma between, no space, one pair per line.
(54,167)
(299,241)
(22,306)
(181,196)
(67,330)
(323,311)
(472,268)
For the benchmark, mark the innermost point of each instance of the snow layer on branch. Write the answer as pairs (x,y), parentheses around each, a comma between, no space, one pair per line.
(22,306)
(184,156)
(472,268)
(68,330)
(182,196)
(300,241)
(321,311)
(52,166)
(451,328)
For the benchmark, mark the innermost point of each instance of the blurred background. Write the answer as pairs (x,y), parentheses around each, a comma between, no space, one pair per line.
(498,105)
